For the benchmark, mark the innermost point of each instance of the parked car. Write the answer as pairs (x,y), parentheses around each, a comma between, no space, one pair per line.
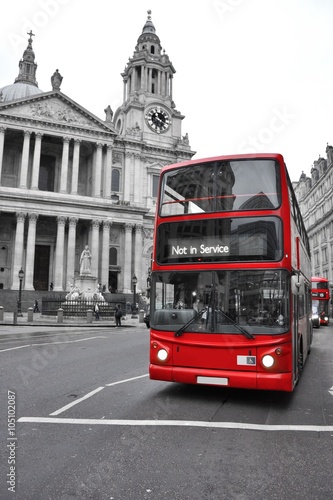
(146,318)
(315,317)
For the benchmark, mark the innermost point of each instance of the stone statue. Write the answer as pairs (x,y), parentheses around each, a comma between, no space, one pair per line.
(108,114)
(56,80)
(85,262)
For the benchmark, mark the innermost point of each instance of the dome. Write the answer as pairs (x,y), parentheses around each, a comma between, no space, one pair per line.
(18,91)
(25,84)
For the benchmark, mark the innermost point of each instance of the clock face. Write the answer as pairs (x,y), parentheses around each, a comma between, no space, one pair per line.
(158,120)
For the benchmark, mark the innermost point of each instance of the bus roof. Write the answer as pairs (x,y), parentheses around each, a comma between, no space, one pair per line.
(251,156)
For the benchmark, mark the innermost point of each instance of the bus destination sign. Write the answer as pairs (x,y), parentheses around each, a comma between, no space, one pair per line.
(190,248)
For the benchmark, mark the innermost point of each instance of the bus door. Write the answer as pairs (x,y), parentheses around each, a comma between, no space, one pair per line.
(298,290)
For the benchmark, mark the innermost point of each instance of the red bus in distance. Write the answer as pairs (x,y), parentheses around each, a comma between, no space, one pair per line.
(320,298)
(231,275)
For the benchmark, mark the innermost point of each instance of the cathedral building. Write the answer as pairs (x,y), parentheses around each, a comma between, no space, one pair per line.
(70,179)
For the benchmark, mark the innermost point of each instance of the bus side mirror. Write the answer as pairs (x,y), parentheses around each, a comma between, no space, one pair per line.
(297,285)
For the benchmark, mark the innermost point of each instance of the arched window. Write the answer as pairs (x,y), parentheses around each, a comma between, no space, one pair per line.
(115,180)
(113,256)
(152,49)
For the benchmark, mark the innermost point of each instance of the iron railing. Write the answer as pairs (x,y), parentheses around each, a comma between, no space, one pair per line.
(50,307)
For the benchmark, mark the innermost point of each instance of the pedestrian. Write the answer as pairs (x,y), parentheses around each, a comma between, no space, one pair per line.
(118,315)
(36,307)
(51,286)
(96,311)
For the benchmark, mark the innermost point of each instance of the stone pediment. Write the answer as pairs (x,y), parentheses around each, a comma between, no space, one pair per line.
(54,108)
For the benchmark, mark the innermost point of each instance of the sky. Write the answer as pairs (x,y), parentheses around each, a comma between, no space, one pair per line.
(251,75)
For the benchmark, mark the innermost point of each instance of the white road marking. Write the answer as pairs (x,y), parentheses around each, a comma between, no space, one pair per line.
(71,341)
(179,423)
(13,348)
(52,343)
(73,403)
(126,380)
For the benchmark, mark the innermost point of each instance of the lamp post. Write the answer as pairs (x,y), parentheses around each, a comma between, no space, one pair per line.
(134,282)
(19,302)
(148,283)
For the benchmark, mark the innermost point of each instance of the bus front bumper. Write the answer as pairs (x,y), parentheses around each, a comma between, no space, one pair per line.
(223,378)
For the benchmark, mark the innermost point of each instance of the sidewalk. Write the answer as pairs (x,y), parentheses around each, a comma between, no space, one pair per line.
(10,318)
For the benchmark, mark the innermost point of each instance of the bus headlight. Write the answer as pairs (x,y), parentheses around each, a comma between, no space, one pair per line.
(162,355)
(268,361)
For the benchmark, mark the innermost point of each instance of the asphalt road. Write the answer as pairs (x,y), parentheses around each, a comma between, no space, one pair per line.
(85,422)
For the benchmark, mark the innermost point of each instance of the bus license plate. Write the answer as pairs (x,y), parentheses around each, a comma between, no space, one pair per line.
(213,380)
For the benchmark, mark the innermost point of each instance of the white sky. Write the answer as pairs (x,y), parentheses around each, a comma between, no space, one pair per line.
(251,75)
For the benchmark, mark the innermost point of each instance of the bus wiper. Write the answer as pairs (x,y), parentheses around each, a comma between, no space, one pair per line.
(236,325)
(192,320)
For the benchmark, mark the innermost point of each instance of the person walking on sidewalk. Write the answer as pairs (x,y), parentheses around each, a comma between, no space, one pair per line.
(96,311)
(118,315)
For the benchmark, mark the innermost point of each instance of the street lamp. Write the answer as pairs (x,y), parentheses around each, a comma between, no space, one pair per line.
(19,302)
(134,282)
(148,283)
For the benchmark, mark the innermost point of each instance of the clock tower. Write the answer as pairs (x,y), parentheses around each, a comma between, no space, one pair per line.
(149,136)
(148,109)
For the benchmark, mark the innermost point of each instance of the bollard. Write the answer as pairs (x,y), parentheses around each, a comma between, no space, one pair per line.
(1,313)
(30,315)
(60,315)
(141,313)
(15,318)
(89,316)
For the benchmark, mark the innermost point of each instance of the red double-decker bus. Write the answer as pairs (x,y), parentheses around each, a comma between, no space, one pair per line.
(320,298)
(231,275)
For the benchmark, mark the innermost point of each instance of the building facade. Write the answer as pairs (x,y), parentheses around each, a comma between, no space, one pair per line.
(315,197)
(69,179)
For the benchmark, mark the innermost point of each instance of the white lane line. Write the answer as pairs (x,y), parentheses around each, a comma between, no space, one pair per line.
(13,348)
(126,380)
(70,341)
(179,423)
(52,343)
(73,403)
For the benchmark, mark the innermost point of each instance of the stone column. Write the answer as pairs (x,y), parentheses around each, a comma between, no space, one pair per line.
(75,172)
(133,80)
(149,79)
(124,90)
(138,270)
(30,258)
(59,255)
(71,250)
(127,175)
(18,250)
(2,142)
(98,170)
(127,269)
(105,253)
(95,247)
(36,161)
(142,78)
(159,82)
(64,165)
(25,160)
(108,172)
(137,179)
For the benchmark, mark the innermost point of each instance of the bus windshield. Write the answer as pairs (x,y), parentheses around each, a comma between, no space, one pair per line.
(252,184)
(221,301)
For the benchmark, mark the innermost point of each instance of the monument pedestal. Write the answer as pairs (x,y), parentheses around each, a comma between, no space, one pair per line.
(87,286)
